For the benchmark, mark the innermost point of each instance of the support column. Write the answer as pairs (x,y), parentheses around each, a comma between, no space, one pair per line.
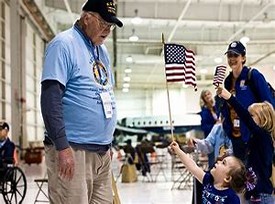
(16,56)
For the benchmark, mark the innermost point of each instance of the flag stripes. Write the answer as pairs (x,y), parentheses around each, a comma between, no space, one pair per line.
(179,64)
(219,75)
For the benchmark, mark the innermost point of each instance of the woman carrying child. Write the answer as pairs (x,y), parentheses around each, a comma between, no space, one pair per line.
(260,119)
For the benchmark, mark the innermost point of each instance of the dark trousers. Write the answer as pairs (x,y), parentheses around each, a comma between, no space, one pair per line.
(197,192)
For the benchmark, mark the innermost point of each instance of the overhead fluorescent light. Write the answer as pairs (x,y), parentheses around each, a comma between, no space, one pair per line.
(136,20)
(127,78)
(128,70)
(125,90)
(203,71)
(129,59)
(244,40)
(133,37)
(218,60)
(126,85)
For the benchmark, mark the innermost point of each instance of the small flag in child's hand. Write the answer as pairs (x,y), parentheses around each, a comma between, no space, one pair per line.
(219,75)
(179,64)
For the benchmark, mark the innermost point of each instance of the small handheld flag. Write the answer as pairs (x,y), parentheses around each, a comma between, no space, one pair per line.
(219,75)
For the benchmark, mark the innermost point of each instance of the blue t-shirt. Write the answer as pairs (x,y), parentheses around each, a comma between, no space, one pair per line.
(211,195)
(70,59)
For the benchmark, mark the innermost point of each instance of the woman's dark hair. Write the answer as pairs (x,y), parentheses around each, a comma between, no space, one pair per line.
(245,59)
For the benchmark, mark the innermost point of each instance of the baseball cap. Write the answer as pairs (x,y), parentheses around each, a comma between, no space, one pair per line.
(236,47)
(4,125)
(105,8)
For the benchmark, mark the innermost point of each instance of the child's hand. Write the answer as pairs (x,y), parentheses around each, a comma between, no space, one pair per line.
(191,142)
(174,147)
(221,92)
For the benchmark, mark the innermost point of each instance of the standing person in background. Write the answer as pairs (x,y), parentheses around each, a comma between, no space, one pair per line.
(78,108)
(236,84)
(260,119)
(209,118)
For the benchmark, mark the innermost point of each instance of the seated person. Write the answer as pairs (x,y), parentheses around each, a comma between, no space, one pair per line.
(130,151)
(7,147)
(142,149)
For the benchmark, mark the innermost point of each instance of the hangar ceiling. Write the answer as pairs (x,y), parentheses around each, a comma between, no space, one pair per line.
(204,26)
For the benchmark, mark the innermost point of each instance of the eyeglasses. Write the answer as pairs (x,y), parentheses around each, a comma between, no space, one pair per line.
(232,54)
(103,24)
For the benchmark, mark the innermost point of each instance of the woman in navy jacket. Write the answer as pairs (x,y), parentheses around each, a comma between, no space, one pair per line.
(260,119)
(240,86)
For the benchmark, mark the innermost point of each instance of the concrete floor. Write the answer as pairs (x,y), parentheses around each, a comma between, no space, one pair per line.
(140,192)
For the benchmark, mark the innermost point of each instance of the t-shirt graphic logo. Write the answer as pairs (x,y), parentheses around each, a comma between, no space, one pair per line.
(100,73)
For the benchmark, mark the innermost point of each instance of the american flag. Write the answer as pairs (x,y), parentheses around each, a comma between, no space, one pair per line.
(179,64)
(219,75)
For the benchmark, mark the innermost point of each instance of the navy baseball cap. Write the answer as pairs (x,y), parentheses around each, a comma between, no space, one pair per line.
(4,125)
(105,8)
(236,47)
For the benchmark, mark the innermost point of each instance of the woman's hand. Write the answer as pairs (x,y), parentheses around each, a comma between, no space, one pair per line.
(223,93)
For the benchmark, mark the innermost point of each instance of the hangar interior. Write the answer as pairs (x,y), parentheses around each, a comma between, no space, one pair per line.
(204,26)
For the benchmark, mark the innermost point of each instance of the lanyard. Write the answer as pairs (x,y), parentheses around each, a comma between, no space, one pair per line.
(101,73)
(93,50)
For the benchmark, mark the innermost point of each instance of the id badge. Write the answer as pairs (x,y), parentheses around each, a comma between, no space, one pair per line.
(107,104)
(236,123)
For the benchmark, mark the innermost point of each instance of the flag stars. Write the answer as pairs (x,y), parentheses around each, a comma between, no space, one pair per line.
(179,64)
(175,54)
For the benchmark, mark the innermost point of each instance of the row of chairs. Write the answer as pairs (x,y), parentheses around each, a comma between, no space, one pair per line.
(147,161)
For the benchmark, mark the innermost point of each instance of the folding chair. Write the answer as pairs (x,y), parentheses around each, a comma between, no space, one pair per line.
(40,183)
(145,163)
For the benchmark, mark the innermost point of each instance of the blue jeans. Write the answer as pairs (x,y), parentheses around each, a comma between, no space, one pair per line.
(264,199)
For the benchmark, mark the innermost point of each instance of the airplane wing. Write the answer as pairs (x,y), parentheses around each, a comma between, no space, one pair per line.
(161,124)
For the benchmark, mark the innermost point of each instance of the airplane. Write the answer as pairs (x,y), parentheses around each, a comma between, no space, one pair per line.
(160,124)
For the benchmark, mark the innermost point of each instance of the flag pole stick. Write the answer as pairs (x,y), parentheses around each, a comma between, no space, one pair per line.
(168,98)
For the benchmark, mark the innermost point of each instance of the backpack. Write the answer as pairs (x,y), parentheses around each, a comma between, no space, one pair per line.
(271,89)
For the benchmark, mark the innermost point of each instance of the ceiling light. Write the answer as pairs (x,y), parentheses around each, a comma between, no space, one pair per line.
(244,40)
(218,60)
(133,37)
(127,78)
(125,90)
(129,59)
(266,19)
(126,85)
(136,20)
(203,71)
(128,70)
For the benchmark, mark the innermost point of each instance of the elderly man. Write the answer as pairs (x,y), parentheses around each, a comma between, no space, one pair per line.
(78,108)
